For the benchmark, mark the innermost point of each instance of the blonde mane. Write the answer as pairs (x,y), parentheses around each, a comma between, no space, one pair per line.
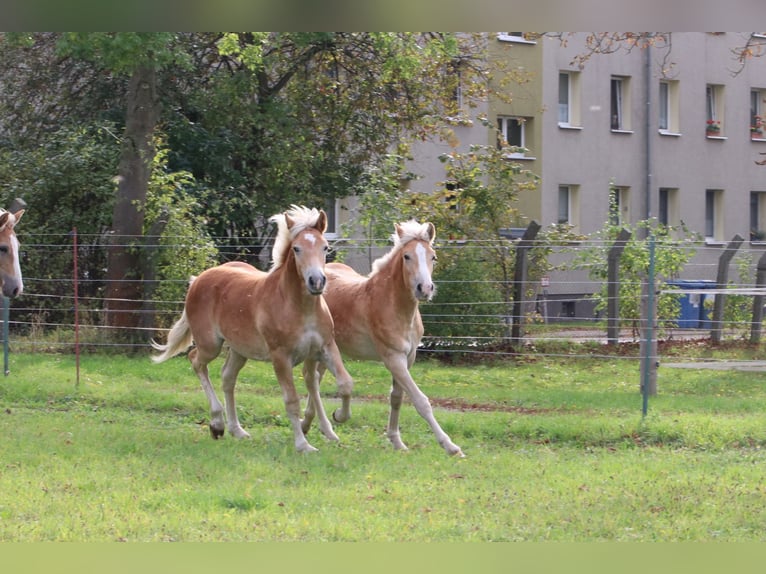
(410,230)
(303,218)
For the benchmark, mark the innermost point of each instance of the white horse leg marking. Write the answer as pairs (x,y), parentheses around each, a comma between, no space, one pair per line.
(312,377)
(232,366)
(284,371)
(398,368)
(216,408)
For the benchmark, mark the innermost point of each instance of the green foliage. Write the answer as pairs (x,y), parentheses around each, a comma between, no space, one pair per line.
(120,52)
(67,182)
(476,201)
(674,247)
(183,248)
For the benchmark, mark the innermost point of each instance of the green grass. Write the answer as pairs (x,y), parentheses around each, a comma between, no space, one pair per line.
(555,450)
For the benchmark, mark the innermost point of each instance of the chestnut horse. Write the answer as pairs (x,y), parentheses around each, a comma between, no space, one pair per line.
(279,316)
(10,269)
(377,317)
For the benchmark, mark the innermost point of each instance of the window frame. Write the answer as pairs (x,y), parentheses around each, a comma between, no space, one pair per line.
(714,215)
(572,105)
(620,104)
(502,127)
(715,108)
(668,106)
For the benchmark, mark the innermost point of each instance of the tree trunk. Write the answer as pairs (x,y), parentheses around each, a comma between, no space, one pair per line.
(124,288)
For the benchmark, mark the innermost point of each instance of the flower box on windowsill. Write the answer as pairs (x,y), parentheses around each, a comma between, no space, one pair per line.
(757,136)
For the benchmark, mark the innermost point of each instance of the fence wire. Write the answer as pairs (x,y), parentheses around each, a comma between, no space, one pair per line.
(43,317)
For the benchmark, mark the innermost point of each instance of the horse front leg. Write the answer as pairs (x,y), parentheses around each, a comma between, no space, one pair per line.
(312,375)
(283,369)
(395,402)
(231,368)
(398,366)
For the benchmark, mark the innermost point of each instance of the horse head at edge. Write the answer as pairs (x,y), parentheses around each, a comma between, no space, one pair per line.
(10,267)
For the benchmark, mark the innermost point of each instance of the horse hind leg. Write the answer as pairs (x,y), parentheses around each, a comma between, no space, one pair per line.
(199,364)
(231,368)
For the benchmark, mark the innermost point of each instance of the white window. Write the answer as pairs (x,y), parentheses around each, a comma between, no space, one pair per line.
(668,208)
(517,37)
(757,128)
(620,103)
(569,99)
(669,122)
(714,97)
(568,206)
(758,216)
(713,215)
(331,208)
(619,205)
(512,131)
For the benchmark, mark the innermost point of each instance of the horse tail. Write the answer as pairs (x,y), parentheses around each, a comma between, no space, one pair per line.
(179,339)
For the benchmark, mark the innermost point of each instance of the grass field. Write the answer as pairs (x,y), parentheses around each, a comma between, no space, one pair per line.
(556,449)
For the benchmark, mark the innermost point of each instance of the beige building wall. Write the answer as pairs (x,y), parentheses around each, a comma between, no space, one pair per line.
(589,154)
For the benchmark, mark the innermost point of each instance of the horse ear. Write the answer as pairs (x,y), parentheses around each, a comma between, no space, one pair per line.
(18,215)
(431,230)
(4,219)
(399,230)
(288,221)
(321,224)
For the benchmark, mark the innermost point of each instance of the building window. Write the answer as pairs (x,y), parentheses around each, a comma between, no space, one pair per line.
(757,128)
(620,103)
(668,208)
(568,206)
(518,37)
(331,208)
(619,205)
(758,216)
(713,215)
(513,132)
(569,99)
(714,103)
(668,107)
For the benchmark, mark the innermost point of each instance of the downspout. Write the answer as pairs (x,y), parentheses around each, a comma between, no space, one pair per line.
(648,126)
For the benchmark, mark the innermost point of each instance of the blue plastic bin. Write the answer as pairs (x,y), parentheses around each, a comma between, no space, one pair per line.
(693,314)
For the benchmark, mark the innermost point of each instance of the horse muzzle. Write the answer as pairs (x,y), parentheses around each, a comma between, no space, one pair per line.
(424,291)
(12,287)
(316,283)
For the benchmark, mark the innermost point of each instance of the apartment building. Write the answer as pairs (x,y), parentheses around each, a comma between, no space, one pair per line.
(672,131)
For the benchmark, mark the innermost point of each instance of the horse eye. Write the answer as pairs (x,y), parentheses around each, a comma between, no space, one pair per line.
(4,249)
(406,256)
(296,249)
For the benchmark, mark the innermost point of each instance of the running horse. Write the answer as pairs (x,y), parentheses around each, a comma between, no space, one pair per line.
(377,317)
(279,316)
(10,268)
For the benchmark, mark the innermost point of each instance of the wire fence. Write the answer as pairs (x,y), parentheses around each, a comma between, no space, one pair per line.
(562,305)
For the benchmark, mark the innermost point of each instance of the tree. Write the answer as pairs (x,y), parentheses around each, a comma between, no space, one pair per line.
(258,120)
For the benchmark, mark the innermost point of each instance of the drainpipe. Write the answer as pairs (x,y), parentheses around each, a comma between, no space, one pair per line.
(648,126)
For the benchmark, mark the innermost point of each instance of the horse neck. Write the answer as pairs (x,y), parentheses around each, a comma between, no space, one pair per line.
(392,285)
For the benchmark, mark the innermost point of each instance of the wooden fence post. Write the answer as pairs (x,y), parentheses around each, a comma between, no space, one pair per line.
(760,282)
(722,278)
(613,287)
(520,280)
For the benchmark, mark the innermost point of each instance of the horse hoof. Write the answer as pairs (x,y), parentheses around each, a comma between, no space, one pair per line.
(216,433)
(340,419)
